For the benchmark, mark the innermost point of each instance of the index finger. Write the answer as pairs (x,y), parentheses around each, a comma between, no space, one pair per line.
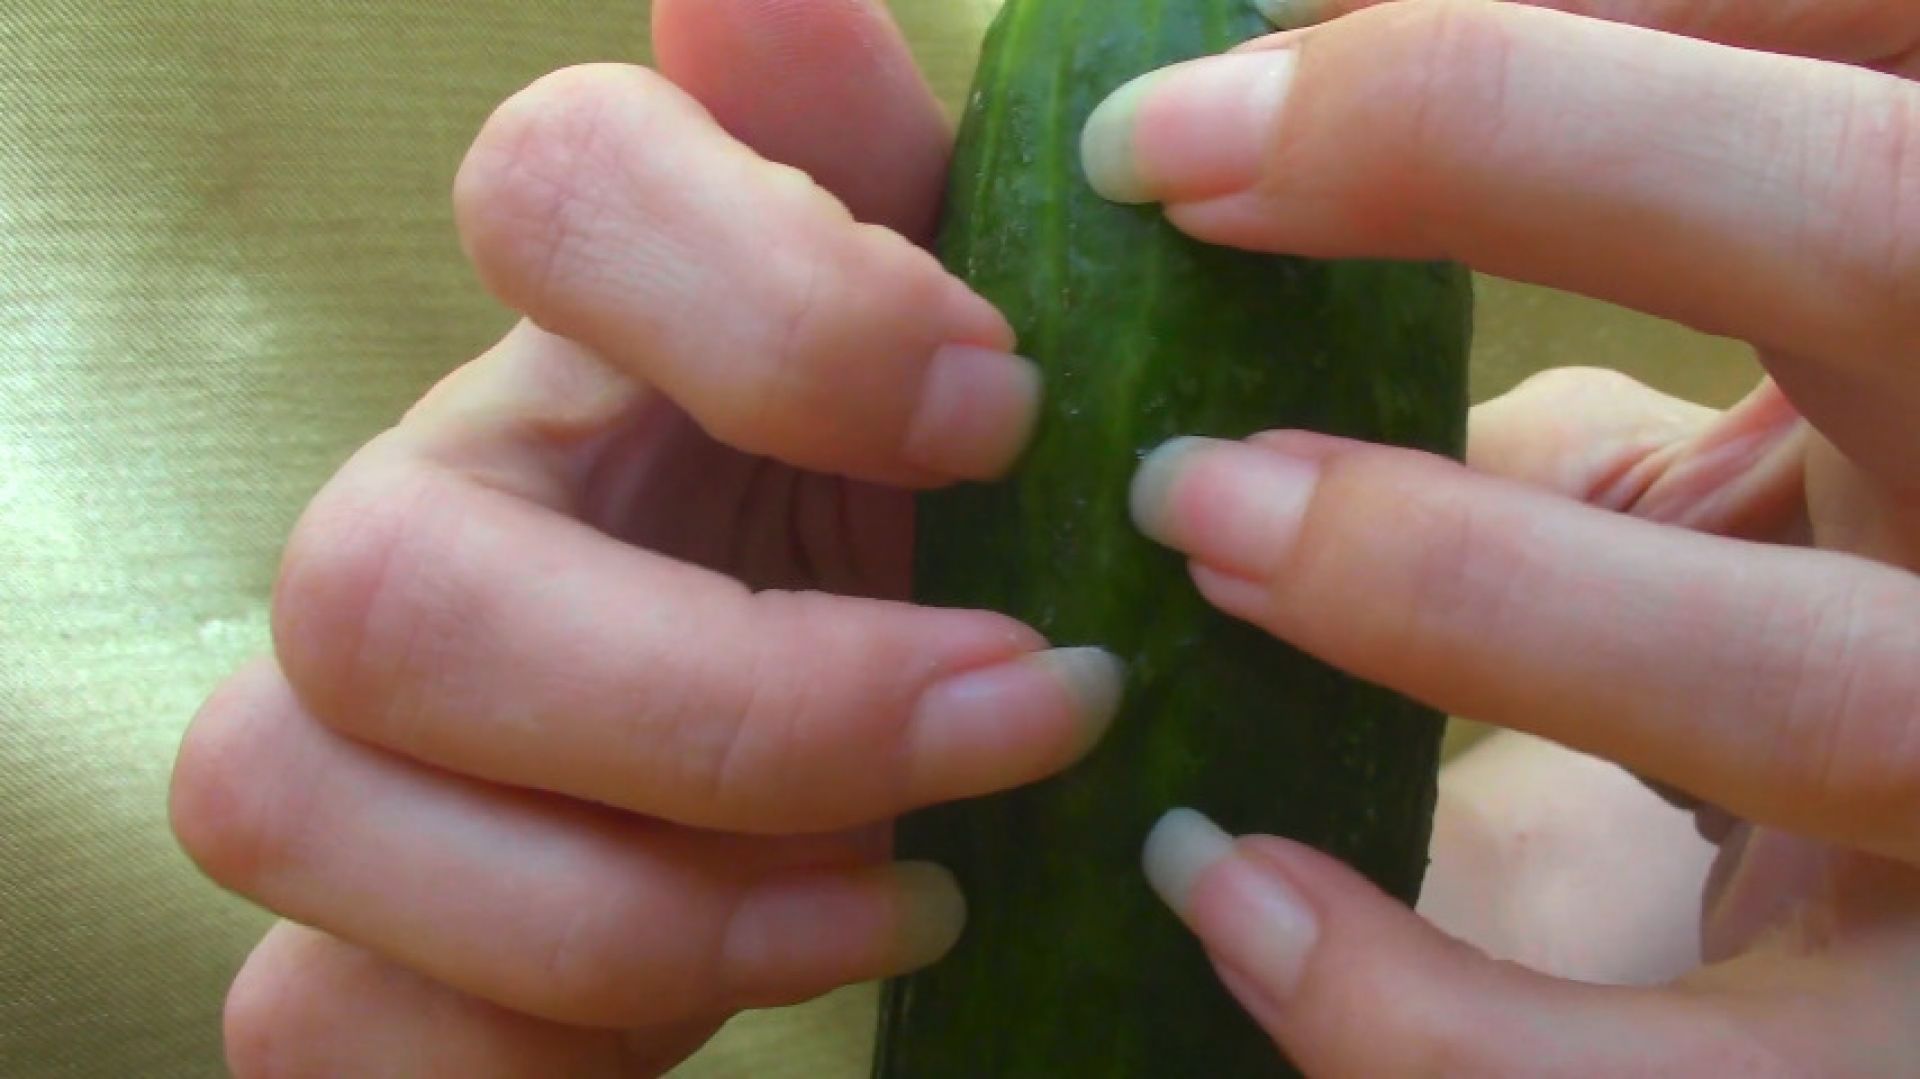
(1770,198)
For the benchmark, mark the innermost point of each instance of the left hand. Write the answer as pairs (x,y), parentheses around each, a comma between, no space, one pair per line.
(1615,571)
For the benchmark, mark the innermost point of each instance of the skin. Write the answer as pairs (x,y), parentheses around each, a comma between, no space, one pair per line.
(592,692)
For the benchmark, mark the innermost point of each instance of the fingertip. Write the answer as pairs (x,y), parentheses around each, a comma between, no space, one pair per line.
(1010,723)
(977,410)
(1095,681)
(1107,155)
(1182,845)
(830,88)
(1236,507)
(930,914)
(1191,132)
(794,937)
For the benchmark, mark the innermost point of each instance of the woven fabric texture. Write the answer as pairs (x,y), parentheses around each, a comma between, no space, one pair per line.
(226,259)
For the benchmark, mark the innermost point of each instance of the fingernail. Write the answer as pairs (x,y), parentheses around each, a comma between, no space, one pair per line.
(1014,722)
(1233,507)
(1241,906)
(1197,130)
(879,920)
(977,409)
(1107,144)
(1096,679)
(1182,846)
(1292,14)
(930,913)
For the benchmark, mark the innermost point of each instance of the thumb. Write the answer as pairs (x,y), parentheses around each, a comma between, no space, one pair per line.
(1349,982)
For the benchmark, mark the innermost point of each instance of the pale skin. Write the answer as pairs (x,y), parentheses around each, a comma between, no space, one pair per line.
(593,691)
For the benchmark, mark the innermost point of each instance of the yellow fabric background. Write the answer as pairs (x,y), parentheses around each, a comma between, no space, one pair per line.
(226,259)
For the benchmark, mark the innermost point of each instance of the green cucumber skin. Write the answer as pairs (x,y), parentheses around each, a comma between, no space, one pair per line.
(1069,965)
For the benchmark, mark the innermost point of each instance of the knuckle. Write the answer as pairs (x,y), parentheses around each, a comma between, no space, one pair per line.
(777,755)
(852,315)
(759,744)
(582,976)
(597,971)
(363,597)
(775,396)
(256,1027)
(1436,76)
(1454,59)
(1462,568)
(1894,154)
(1852,711)
(1445,571)
(1458,571)
(1877,198)
(219,807)
(547,167)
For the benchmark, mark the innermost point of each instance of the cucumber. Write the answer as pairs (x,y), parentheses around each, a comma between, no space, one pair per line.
(1069,965)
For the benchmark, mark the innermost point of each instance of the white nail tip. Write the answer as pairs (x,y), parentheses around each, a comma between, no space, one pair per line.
(1097,679)
(1183,845)
(1106,146)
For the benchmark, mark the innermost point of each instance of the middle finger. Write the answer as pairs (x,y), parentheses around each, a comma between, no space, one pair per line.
(539,905)
(436,615)
(1778,683)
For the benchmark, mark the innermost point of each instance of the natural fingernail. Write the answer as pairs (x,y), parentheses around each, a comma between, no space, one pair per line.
(1182,846)
(929,911)
(1228,505)
(1197,130)
(977,409)
(1292,14)
(1107,152)
(1243,907)
(853,924)
(1014,722)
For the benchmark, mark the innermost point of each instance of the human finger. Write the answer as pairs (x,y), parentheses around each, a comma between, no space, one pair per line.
(608,206)
(829,88)
(310,1005)
(551,908)
(1349,982)
(1775,682)
(1872,32)
(431,612)
(1604,159)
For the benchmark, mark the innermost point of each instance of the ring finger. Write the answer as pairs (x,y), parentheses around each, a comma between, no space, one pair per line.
(551,908)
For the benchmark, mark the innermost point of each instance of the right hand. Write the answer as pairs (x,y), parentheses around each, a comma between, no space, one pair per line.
(592,690)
